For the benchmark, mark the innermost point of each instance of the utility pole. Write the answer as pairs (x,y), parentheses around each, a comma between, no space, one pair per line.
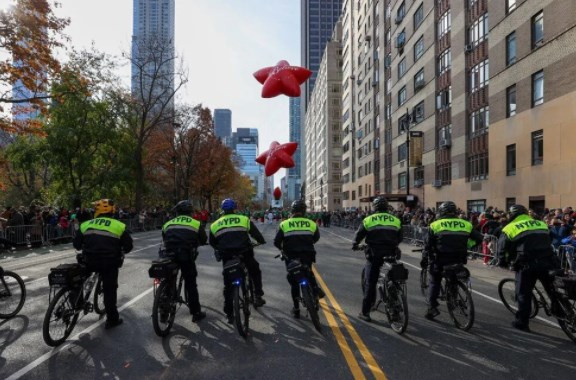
(407,130)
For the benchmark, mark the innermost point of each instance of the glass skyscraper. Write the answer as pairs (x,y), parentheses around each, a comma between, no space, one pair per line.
(294,174)
(222,123)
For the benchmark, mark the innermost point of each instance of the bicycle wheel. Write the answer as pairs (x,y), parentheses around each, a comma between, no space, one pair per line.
(424,283)
(568,323)
(310,303)
(12,296)
(397,308)
(163,309)
(460,305)
(507,293)
(60,317)
(251,293)
(99,307)
(241,311)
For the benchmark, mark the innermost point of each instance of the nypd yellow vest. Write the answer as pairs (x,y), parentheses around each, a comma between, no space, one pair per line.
(229,223)
(103,226)
(522,225)
(382,221)
(182,222)
(298,226)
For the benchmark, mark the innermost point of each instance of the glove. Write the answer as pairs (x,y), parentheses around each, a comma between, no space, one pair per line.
(355,246)
(424,263)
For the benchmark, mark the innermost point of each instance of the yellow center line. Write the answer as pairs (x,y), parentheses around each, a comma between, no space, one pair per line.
(344,347)
(366,354)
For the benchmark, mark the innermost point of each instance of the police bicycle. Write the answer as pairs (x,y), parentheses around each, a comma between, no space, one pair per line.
(564,288)
(392,292)
(167,294)
(72,287)
(309,298)
(236,274)
(455,290)
(12,294)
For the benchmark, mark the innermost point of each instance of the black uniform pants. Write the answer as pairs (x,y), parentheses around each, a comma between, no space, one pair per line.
(525,282)
(295,286)
(189,272)
(434,283)
(371,275)
(253,268)
(109,275)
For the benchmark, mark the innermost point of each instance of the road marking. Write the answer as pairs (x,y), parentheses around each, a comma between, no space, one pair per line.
(344,347)
(473,291)
(370,361)
(48,355)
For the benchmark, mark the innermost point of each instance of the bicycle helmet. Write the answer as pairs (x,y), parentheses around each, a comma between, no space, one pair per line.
(183,207)
(298,206)
(517,210)
(447,209)
(380,204)
(104,207)
(228,205)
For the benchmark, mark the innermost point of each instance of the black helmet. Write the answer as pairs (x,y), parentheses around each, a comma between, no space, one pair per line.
(517,210)
(447,209)
(183,207)
(298,207)
(380,204)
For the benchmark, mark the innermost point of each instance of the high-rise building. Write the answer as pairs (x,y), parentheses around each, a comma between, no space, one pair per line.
(245,141)
(322,132)
(153,36)
(222,123)
(294,175)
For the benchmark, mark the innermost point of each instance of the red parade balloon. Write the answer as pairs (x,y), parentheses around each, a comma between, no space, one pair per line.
(277,193)
(282,79)
(278,156)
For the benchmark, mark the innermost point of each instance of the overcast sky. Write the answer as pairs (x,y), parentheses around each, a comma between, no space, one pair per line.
(222,41)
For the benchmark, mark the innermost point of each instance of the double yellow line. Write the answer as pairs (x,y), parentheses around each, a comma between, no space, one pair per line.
(342,342)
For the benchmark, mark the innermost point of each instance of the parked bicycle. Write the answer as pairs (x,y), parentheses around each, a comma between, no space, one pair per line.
(392,292)
(167,294)
(564,288)
(456,291)
(302,273)
(72,287)
(12,294)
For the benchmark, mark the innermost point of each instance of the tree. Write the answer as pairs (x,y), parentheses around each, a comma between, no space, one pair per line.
(29,33)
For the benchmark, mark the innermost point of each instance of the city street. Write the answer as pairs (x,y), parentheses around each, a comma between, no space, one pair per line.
(279,346)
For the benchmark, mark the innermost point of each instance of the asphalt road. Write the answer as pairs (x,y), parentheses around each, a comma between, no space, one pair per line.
(279,346)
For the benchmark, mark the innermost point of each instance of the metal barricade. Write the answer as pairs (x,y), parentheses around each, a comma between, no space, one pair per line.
(23,235)
(566,254)
(55,234)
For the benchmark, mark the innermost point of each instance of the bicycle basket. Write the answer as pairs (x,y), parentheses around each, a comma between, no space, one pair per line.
(397,272)
(67,275)
(233,270)
(163,268)
(567,286)
(296,270)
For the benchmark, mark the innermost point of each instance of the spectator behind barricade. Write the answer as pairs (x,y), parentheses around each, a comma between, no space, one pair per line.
(570,255)
(16,219)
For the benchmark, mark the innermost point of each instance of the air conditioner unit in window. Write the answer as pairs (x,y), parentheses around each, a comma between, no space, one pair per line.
(419,85)
(400,40)
(468,48)
(445,143)
(367,38)
(418,183)
(398,19)
(359,82)
(437,183)
(359,134)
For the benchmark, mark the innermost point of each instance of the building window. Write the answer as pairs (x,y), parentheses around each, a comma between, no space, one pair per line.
(402,96)
(402,180)
(511,160)
(537,29)
(444,173)
(478,32)
(477,205)
(418,48)
(445,137)
(418,16)
(444,24)
(478,166)
(511,48)
(400,13)
(388,186)
(402,68)
(510,202)
(510,5)
(419,80)
(444,61)
(538,88)
(418,113)
(402,152)
(538,147)
(479,76)
(511,101)
(353,195)
(402,124)
(479,121)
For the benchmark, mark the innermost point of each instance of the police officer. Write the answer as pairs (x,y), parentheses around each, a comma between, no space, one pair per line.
(383,233)
(182,236)
(296,237)
(230,235)
(529,241)
(103,242)
(447,243)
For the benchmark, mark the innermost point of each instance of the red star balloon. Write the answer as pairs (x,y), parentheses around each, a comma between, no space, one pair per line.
(282,79)
(278,156)
(277,193)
